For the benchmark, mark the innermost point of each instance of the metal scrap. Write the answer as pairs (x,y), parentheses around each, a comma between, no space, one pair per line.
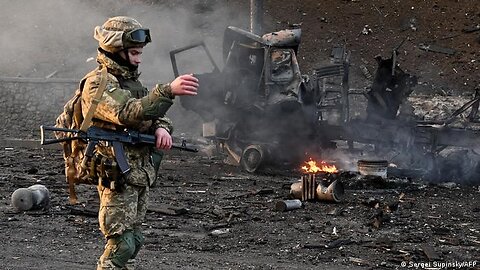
(436,48)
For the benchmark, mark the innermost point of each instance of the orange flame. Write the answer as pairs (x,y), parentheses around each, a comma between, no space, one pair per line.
(321,167)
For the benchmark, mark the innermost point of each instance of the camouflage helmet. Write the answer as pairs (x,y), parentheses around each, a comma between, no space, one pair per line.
(121,32)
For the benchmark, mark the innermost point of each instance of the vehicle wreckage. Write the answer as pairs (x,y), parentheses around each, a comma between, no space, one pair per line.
(262,110)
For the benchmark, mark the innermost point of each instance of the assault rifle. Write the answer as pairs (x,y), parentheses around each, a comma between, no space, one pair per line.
(116,138)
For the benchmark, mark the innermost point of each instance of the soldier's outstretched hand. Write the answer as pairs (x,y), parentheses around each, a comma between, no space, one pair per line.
(184,85)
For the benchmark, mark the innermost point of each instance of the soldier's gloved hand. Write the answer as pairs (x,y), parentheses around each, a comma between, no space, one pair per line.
(163,139)
(184,85)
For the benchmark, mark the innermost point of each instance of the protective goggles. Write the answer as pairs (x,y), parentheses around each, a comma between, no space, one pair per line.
(139,35)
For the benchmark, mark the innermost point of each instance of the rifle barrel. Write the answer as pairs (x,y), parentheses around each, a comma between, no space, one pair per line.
(184,148)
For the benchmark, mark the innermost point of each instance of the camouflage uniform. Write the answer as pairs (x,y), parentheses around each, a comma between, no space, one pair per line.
(125,104)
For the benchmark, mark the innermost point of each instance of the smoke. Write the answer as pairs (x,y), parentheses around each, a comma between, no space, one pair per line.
(39,38)
(58,35)
(46,36)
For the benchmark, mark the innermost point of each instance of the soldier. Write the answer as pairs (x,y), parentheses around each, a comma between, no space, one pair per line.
(125,103)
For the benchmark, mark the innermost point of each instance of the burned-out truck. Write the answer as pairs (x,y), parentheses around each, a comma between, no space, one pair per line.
(261,109)
(256,107)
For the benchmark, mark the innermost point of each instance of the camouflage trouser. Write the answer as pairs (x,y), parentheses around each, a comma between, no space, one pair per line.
(120,216)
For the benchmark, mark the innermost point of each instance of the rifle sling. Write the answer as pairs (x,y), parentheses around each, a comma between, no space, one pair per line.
(87,121)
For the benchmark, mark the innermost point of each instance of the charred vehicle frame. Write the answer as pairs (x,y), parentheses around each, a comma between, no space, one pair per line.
(262,110)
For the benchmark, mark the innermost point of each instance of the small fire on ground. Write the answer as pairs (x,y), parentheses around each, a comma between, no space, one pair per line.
(322,166)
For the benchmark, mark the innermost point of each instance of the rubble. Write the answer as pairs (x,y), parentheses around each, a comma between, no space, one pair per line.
(385,221)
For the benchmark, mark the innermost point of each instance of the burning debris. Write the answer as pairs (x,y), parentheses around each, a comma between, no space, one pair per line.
(322,167)
(314,183)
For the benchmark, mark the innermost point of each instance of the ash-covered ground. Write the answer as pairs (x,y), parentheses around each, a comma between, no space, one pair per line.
(205,214)
(208,215)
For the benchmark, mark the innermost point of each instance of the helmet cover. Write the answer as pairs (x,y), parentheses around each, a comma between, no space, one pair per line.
(121,32)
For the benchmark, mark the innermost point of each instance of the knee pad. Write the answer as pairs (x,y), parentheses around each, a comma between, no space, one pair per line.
(121,248)
(139,241)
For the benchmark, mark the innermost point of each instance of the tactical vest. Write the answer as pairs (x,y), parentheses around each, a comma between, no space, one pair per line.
(134,86)
(138,91)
